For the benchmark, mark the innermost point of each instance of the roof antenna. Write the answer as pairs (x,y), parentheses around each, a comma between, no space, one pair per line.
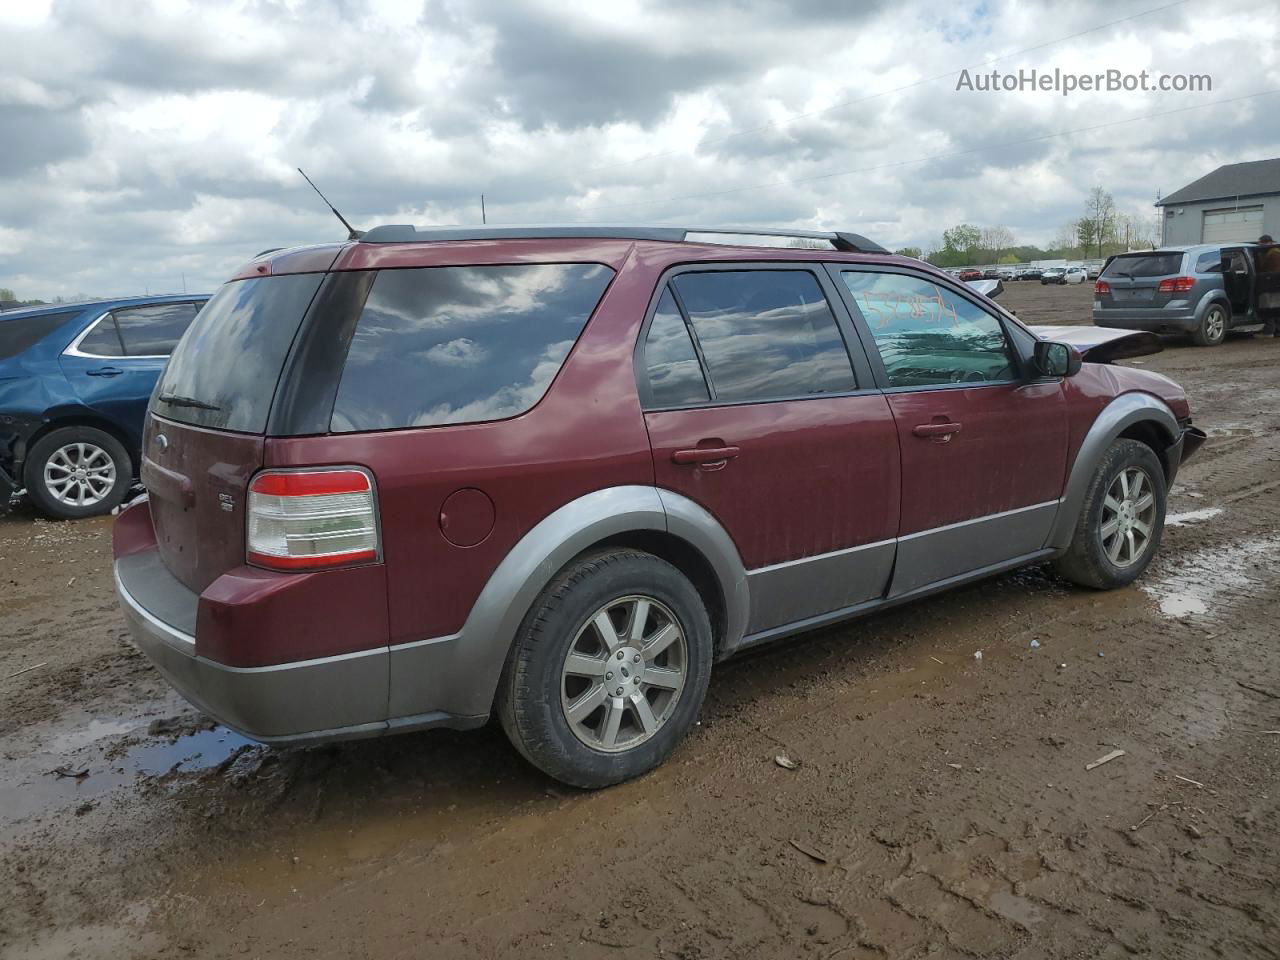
(352,232)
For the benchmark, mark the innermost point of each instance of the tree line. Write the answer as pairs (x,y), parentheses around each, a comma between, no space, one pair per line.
(1100,231)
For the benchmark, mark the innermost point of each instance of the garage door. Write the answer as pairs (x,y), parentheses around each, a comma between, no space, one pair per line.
(1235,224)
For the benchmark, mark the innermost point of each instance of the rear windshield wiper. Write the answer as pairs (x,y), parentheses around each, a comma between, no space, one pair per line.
(174,400)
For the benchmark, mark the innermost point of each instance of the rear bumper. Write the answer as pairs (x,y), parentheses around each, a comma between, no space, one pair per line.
(329,698)
(1156,321)
(324,699)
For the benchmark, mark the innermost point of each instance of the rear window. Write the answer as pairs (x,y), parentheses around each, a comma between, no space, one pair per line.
(437,345)
(17,334)
(1144,265)
(223,371)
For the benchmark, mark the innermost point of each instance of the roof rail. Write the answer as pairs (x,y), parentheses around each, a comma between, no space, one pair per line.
(748,236)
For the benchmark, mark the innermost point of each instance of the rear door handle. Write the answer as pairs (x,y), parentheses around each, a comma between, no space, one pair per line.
(936,431)
(105,372)
(705,455)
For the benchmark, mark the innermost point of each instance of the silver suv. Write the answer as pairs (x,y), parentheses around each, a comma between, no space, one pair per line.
(1203,290)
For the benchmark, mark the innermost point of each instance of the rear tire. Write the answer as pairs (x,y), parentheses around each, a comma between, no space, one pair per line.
(554,701)
(76,472)
(1121,522)
(1213,327)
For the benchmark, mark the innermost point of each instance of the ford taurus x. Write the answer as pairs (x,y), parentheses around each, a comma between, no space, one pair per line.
(424,477)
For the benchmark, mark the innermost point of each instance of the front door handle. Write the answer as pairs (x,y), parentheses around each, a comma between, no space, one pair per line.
(705,455)
(940,432)
(105,372)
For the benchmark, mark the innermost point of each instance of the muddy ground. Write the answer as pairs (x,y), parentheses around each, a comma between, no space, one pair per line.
(941,806)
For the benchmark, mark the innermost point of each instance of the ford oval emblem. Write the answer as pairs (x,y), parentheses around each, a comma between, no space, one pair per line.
(162,441)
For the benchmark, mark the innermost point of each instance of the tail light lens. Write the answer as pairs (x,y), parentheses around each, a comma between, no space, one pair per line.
(312,519)
(1101,286)
(1177,284)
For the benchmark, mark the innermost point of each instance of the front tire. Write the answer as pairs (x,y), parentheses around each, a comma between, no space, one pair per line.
(1213,327)
(76,472)
(609,669)
(1120,524)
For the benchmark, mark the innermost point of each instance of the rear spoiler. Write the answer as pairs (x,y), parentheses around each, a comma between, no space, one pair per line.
(1097,345)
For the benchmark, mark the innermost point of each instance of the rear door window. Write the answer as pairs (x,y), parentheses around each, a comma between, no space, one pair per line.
(438,345)
(153,330)
(765,334)
(1210,262)
(1144,265)
(223,372)
(929,335)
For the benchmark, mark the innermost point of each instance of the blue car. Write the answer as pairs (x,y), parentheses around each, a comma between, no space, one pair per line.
(74,384)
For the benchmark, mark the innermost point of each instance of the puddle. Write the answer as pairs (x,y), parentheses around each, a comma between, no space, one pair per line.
(1214,577)
(1191,516)
(115,752)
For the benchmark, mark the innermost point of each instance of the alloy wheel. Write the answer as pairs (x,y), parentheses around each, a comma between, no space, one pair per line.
(1215,324)
(1128,517)
(79,474)
(624,673)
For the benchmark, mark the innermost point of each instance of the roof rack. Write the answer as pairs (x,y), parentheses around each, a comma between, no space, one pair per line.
(746,236)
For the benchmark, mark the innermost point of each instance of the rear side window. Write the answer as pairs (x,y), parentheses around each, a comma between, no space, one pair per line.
(1144,265)
(223,372)
(1210,262)
(675,378)
(153,330)
(17,334)
(765,334)
(437,345)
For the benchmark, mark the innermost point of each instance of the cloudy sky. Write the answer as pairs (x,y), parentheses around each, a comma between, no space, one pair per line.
(144,141)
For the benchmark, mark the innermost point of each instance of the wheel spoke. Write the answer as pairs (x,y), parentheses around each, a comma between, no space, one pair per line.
(1143,528)
(612,721)
(1111,503)
(1133,549)
(581,665)
(664,678)
(1113,549)
(1109,528)
(644,713)
(639,617)
(1144,503)
(608,635)
(660,641)
(581,708)
(1124,484)
(1139,479)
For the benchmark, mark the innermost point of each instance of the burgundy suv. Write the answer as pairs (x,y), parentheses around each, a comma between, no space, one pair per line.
(406,481)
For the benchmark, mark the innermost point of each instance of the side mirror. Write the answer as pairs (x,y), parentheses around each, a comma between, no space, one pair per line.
(1056,359)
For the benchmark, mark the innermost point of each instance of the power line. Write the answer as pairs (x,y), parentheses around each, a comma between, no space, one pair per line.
(884,93)
(937,156)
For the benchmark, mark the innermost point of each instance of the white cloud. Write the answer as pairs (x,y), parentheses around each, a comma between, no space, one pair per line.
(148,141)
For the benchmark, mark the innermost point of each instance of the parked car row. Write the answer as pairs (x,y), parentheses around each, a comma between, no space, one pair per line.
(558,475)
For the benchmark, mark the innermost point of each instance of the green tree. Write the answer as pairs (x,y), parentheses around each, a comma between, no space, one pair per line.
(7,294)
(910,252)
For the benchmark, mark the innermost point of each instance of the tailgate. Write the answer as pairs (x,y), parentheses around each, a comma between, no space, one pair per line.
(197,480)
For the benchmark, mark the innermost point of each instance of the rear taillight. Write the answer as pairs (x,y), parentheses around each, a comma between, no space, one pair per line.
(1101,286)
(312,519)
(1176,284)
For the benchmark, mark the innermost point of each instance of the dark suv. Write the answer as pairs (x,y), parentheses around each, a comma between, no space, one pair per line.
(408,481)
(74,384)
